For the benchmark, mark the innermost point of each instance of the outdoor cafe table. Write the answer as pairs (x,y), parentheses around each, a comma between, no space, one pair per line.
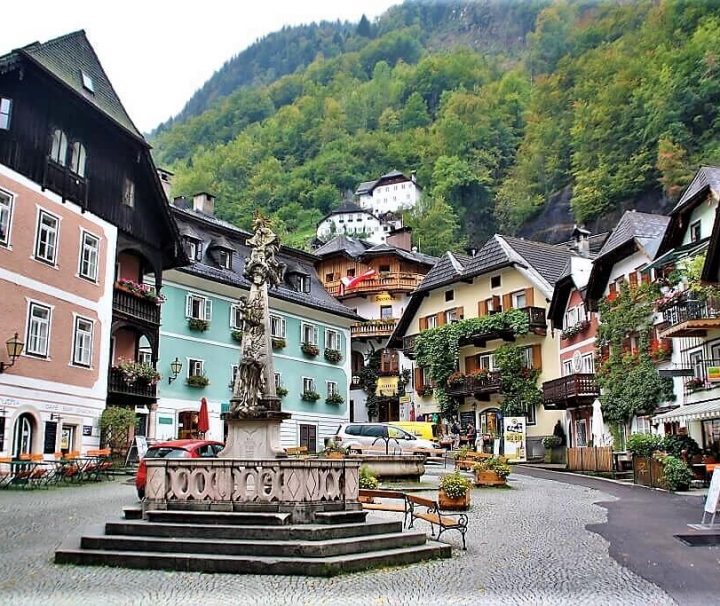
(21,472)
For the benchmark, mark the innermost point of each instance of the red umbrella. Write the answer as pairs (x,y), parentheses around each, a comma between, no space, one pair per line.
(203,418)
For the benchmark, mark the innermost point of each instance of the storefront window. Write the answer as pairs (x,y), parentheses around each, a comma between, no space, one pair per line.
(711,436)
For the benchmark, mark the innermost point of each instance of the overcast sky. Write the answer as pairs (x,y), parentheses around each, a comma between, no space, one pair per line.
(157,53)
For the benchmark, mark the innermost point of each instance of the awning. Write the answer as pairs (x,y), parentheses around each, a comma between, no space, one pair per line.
(680,252)
(692,412)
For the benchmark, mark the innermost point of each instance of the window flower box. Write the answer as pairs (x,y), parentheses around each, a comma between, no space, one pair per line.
(333,355)
(142,291)
(310,349)
(334,398)
(281,392)
(198,324)
(575,329)
(198,381)
(310,396)
(278,342)
(237,335)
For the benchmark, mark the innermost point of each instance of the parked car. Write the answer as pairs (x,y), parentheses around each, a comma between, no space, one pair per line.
(377,435)
(175,449)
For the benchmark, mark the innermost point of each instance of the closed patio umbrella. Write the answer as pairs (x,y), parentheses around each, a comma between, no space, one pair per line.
(203,418)
(598,425)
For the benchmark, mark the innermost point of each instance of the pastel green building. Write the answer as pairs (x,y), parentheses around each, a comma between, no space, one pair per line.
(200,331)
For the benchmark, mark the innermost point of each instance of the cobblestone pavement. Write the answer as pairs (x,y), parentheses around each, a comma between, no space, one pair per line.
(527,545)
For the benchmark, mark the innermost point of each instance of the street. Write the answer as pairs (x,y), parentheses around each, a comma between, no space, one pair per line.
(526,545)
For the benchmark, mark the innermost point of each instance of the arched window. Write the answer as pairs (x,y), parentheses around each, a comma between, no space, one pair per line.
(78,158)
(58,151)
(23,435)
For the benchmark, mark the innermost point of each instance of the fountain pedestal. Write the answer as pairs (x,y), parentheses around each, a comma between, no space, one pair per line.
(257,437)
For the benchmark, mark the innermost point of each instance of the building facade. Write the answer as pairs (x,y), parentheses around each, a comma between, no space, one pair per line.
(201,329)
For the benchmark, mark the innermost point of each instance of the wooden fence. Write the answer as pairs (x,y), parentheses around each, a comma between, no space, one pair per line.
(590,459)
(648,471)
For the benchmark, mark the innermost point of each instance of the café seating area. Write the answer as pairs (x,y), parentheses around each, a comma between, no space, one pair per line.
(31,471)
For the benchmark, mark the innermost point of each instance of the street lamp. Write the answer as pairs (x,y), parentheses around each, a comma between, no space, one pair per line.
(14,348)
(175,368)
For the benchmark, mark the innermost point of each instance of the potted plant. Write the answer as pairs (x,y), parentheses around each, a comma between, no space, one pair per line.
(333,355)
(198,381)
(550,442)
(310,396)
(281,391)
(142,291)
(198,324)
(310,349)
(461,458)
(676,474)
(333,450)
(455,379)
(491,472)
(367,479)
(137,373)
(237,335)
(454,492)
(694,384)
(334,398)
(278,342)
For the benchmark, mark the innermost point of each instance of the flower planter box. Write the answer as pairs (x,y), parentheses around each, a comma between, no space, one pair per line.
(453,504)
(489,478)
(335,455)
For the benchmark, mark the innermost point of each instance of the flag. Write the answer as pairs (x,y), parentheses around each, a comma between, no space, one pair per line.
(353,282)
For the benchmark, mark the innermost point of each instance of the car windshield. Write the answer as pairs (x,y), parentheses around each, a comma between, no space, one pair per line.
(399,434)
(166,452)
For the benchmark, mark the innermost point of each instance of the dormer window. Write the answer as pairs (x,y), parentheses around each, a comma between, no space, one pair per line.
(224,258)
(87,82)
(193,248)
(304,284)
(128,195)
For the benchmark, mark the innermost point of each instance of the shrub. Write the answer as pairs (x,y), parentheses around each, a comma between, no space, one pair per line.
(198,381)
(674,445)
(552,441)
(237,335)
(115,424)
(198,324)
(333,355)
(333,446)
(644,444)
(676,473)
(455,485)
(281,392)
(278,342)
(503,470)
(367,480)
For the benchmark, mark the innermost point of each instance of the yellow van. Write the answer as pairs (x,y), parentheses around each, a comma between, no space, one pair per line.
(426,431)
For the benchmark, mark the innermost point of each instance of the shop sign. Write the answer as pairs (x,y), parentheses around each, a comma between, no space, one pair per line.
(387,386)
(384,297)
(713,374)
(514,433)
(165,420)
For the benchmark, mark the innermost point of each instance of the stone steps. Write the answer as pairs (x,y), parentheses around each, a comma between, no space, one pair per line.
(226,518)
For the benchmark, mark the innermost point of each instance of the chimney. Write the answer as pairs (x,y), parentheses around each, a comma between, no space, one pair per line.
(165,180)
(581,241)
(204,203)
(400,238)
(471,251)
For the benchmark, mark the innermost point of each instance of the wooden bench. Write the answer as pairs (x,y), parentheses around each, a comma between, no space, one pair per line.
(428,510)
(367,498)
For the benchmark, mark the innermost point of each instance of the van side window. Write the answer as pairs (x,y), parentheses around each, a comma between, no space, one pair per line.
(373,431)
(353,430)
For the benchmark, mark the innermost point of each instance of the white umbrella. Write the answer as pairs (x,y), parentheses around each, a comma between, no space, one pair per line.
(598,425)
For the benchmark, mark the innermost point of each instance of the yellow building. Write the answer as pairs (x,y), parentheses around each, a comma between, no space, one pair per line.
(506,273)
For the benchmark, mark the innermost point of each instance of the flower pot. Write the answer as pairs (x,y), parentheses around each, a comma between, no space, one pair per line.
(489,478)
(453,504)
(335,455)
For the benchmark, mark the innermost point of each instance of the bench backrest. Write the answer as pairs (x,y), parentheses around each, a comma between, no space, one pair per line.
(382,494)
(422,501)
(297,450)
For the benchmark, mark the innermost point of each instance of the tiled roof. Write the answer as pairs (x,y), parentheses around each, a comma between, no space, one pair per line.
(642,227)
(707,176)
(66,58)
(365,187)
(357,249)
(548,260)
(347,206)
(342,243)
(300,262)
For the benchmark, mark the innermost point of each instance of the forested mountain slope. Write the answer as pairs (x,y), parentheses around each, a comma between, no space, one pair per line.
(496,105)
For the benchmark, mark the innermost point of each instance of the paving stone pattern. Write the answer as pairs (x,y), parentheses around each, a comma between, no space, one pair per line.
(527,545)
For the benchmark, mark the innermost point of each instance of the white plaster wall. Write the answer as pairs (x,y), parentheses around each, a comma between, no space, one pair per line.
(705,213)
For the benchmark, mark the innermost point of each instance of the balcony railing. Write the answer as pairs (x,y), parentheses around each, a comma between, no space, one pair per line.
(691,318)
(467,386)
(373,328)
(536,317)
(135,307)
(571,390)
(385,282)
(65,183)
(117,385)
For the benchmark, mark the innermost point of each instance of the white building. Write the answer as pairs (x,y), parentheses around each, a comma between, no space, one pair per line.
(351,220)
(391,193)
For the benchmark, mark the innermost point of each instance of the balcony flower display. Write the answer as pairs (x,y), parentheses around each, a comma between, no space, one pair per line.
(694,384)
(142,291)
(198,324)
(137,372)
(198,381)
(310,349)
(455,379)
(670,298)
(479,374)
(334,398)
(333,355)
(310,396)
(575,329)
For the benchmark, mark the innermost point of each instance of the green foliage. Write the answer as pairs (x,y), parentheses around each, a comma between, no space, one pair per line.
(198,324)
(675,445)
(503,470)
(691,270)
(455,485)
(333,355)
(333,446)
(644,444)
(518,383)
(552,441)
(334,398)
(367,480)
(310,396)
(676,474)
(198,381)
(115,425)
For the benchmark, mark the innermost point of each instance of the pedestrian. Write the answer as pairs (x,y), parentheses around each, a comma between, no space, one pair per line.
(455,431)
(471,436)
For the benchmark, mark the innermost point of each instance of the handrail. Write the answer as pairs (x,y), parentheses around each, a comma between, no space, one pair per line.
(691,309)
(570,386)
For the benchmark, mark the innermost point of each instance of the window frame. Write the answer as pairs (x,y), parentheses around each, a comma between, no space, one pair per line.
(8,213)
(192,364)
(283,326)
(30,321)
(331,388)
(449,295)
(59,147)
(515,298)
(128,192)
(383,314)
(224,258)
(84,236)
(42,213)
(235,309)
(495,281)
(332,335)
(6,102)
(206,307)
(431,321)
(77,164)
(315,331)
(695,230)
(76,348)
(309,381)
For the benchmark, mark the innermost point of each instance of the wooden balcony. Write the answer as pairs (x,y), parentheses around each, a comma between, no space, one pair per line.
(480,386)
(570,391)
(691,318)
(373,329)
(537,324)
(385,282)
(122,392)
(65,183)
(130,306)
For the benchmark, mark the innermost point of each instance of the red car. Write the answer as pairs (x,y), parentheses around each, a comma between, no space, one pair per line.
(175,449)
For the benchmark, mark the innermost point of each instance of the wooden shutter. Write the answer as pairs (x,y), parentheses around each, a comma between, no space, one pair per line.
(537,356)
(530,297)
(645,277)
(612,288)
(633,279)
(423,323)
(496,303)
(507,301)
(418,379)
(208,309)
(482,309)
(472,364)
(188,306)
(440,318)
(460,313)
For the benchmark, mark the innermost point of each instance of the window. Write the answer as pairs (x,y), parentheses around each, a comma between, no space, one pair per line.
(58,149)
(332,339)
(304,284)
(278,380)
(87,82)
(198,307)
(696,363)
(451,315)
(5,113)
(308,334)
(571,317)
(128,193)
(643,425)
(431,321)
(350,273)
(486,361)
(581,433)
(519,299)
(6,205)
(38,331)
(193,248)
(527,357)
(449,295)
(224,259)
(82,344)
(308,437)
(277,327)
(531,420)
(196,368)
(567,368)
(329,277)
(308,384)
(78,159)
(46,238)
(235,316)
(89,256)
(384,269)
(145,355)
(233,374)
(495,282)
(386,312)
(588,363)
(332,388)
(695,231)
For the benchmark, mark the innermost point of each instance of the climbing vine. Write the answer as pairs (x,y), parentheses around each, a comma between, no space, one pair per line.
(518,383)
(368,382)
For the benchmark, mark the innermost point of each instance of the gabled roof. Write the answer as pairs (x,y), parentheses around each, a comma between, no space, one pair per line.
(365,187)
(362,249)
(352,247)
(706,178)
(65,58)
(643,228)
(548,260)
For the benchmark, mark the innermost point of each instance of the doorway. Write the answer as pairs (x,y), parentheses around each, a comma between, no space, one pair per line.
(23,435)
(187,424)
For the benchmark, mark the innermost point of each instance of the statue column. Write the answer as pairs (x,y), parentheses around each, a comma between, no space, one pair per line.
(152,420)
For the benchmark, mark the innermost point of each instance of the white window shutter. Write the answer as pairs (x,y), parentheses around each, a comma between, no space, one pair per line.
(208,309)
(188,306)
(282,327)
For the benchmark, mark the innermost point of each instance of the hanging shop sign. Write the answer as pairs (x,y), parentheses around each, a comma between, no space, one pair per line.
(387,386)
